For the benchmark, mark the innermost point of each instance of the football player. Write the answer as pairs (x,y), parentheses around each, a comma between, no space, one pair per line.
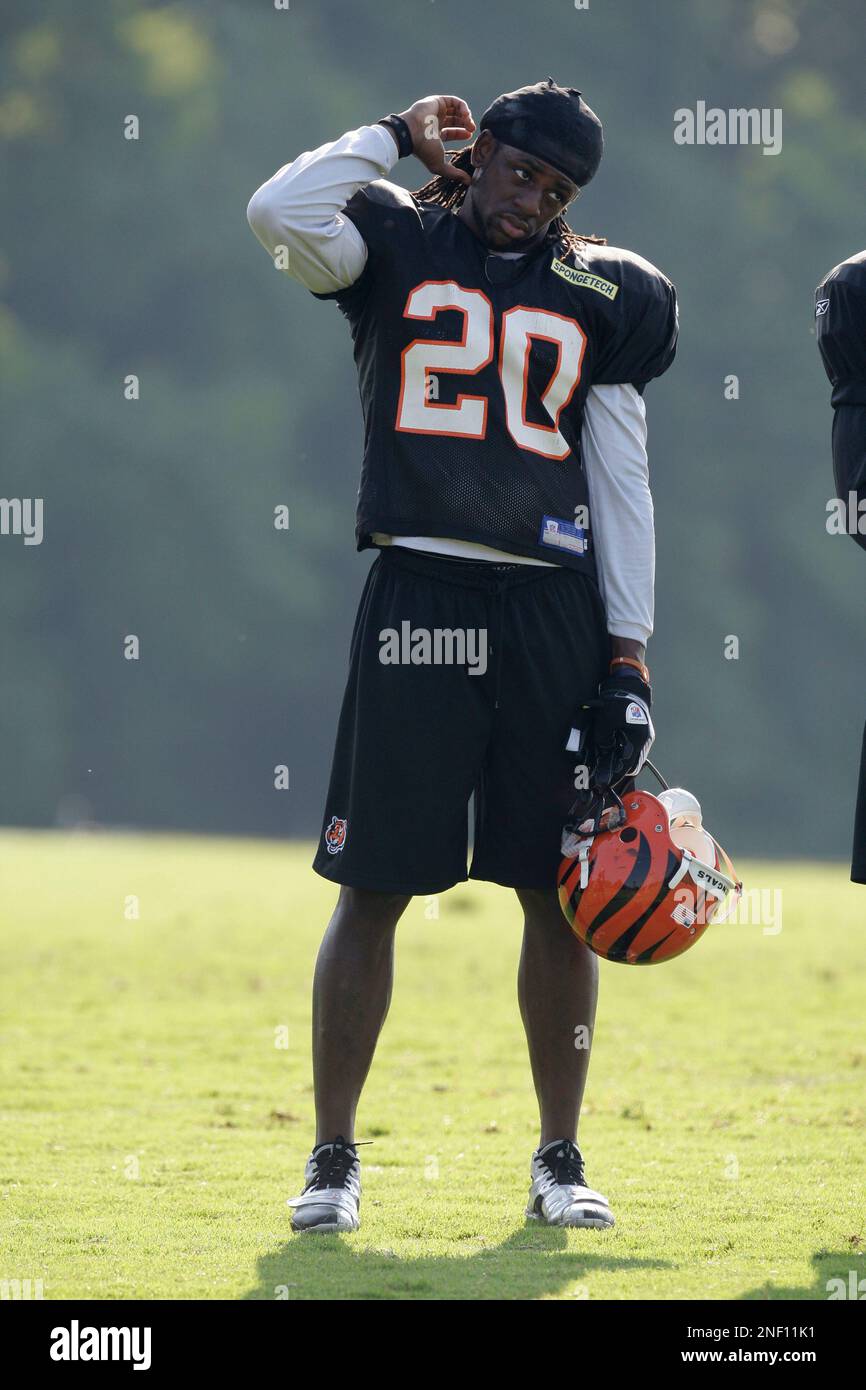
(502,360)
(840,324)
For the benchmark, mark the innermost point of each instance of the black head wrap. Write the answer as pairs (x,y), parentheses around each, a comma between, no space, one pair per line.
(553,123)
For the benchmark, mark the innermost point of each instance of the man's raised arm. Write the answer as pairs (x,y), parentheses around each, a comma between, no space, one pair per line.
(297,212)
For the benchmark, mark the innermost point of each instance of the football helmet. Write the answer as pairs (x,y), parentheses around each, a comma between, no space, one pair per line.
(641,878)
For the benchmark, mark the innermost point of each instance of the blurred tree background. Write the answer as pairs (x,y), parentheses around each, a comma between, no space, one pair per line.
(122,257)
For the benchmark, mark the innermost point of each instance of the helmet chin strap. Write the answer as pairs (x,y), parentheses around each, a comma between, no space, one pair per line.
(655,772)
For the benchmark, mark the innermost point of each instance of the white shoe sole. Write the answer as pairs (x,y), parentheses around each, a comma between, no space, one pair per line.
(595,1223)
(327,1228)
(332,1227)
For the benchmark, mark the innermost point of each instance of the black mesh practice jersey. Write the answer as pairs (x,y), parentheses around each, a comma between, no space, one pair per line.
(840,323)
(473,389)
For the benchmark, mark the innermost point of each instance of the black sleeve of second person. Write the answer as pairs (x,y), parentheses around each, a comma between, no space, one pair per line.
(858,862)
(849,461)
(840,327)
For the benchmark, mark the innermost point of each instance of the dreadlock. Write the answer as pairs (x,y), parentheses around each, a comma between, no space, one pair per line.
(450,193)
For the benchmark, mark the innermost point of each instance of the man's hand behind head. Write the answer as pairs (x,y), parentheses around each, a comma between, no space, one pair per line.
(434,120)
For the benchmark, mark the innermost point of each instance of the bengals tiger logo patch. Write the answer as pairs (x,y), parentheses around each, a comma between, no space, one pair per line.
(335,835)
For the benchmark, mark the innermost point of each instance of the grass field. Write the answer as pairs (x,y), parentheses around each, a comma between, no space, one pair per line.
(153,1126)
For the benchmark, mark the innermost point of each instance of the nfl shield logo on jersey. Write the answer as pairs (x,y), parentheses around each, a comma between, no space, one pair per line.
(335,835)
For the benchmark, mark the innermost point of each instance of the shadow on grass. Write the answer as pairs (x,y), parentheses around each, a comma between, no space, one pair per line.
(531,1263)
(841,1273)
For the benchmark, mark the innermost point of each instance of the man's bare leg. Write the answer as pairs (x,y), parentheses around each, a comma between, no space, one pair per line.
(351,995)
(558,991)
(557,988)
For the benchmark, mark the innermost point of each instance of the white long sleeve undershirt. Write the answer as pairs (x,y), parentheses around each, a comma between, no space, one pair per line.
(299,210)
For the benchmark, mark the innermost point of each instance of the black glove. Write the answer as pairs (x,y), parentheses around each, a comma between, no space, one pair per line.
(614,733)
(622,729)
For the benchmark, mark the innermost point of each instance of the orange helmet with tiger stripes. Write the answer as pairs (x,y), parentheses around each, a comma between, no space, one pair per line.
(634,894)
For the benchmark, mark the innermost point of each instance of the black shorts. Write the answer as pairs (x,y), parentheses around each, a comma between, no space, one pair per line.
(417,737)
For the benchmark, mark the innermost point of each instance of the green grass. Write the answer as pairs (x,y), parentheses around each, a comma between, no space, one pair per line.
(152,1128)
